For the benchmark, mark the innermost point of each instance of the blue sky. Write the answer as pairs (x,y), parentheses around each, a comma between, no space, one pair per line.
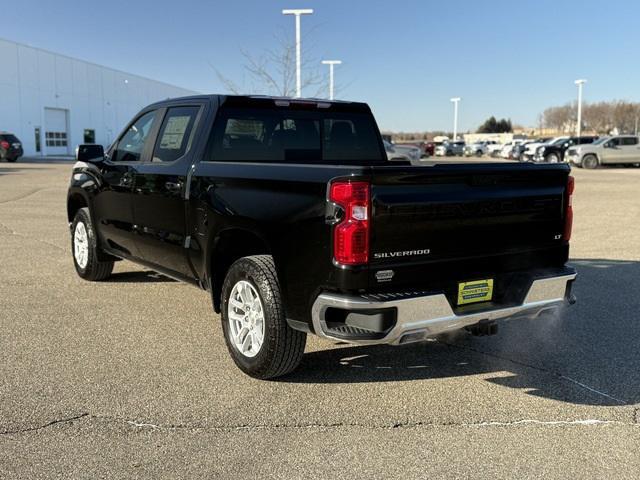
(405,58)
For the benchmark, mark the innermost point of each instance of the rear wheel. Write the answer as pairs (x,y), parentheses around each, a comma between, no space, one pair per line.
(258,337)
(85,249)
(590,162)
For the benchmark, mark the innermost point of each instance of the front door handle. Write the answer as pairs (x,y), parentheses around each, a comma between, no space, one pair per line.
(173,187)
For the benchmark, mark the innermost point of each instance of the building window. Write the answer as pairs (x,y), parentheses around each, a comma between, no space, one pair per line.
(55,139)
(89,136)
(37,134)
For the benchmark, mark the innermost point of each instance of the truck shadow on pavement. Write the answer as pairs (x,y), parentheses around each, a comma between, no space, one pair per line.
(588,355)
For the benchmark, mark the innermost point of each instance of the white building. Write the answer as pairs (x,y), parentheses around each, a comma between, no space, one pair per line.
(52,102)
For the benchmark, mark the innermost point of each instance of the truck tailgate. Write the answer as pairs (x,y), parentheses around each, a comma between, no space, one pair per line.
(465,220)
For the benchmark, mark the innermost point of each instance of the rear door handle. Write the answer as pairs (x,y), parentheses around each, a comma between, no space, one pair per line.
(173,187)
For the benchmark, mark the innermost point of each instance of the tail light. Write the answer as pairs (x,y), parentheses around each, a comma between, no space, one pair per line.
(351,235)
(568,209)
(4,144)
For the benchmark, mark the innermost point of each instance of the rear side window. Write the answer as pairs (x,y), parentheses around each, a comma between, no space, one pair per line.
(175,134)
(284,136)
(629,141)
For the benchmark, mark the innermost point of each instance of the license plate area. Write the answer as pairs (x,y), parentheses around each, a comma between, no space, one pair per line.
(475,291)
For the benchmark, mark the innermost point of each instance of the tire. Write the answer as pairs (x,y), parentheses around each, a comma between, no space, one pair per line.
(478,153)
(282,348)
(552,158)
(590,162)
(86,259)
(12,160)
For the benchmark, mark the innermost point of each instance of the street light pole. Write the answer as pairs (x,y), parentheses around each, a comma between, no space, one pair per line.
(579,83)
(297,12)
(331,63)
(455,101)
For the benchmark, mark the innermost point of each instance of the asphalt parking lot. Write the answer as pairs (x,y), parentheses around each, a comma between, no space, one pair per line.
(130,378)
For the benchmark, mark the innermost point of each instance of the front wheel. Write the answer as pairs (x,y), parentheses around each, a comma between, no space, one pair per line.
(84,246)
(552,158)
(590,162)
(258,337)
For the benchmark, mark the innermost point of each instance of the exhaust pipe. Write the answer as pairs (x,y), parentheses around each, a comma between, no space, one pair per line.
(483,328)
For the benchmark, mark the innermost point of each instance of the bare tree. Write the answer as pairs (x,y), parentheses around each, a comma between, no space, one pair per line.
(598,117)
(561,118)
(625,115)
(273,72)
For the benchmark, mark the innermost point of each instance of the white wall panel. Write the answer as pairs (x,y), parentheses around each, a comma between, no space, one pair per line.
(9,56)
(28,62)
(64,75)
(46,71)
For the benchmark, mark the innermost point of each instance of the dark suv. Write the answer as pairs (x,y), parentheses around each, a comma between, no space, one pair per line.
(554,153)
(10,147)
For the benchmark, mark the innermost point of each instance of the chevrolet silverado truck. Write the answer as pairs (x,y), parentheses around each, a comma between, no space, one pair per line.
(289,214)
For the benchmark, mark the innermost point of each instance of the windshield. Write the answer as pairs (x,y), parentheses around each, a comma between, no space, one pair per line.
(558,140)
(601,140)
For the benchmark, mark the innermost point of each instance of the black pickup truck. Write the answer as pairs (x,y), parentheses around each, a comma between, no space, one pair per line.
(289,214)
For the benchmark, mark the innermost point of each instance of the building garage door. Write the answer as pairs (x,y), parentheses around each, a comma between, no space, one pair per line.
(56,136)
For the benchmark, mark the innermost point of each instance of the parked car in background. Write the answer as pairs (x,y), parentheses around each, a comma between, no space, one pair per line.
(402,152)
(493,149)
(555,152)
(430,148)
(508,148)
(518,150)
(478,148)
(449,149)
(618,150)
(10,147)
(419,144)
(556,142)
(530,149)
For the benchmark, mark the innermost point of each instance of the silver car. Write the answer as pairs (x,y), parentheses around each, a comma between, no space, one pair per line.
(402,152)
(618,150)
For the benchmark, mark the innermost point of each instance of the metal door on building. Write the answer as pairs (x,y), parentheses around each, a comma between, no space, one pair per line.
(56,134)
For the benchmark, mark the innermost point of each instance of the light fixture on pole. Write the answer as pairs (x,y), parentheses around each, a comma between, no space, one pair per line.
(579,83)
(455,101)
(297,12)
(331,63)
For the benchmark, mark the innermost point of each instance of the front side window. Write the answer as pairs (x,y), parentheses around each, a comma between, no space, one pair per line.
(283,136)
(175,134)
(132,143)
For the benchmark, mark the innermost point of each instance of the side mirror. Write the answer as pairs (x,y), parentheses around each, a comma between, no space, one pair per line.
(89,153)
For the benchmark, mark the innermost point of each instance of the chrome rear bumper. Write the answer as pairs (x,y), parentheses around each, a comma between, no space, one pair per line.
(420,317)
